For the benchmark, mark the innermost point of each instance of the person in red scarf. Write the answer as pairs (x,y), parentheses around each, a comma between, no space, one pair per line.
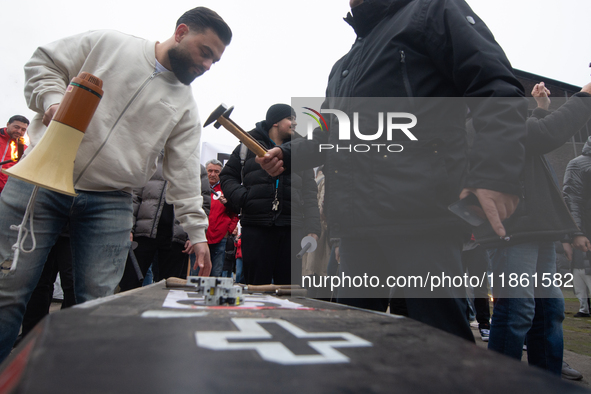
(222,220)
(14,130)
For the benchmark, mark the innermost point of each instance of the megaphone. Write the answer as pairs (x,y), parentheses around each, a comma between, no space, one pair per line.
(51,162)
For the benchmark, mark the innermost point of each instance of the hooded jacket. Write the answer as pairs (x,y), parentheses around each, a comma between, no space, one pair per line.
(413,50)
(148,203)
(577,189)
(296,192)
(542,214)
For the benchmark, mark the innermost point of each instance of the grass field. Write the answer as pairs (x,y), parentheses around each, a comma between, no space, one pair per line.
(577,330)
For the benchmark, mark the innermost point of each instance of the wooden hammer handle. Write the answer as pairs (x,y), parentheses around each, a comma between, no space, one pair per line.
(292,292)
(271,288)
(176,282)
(243,136)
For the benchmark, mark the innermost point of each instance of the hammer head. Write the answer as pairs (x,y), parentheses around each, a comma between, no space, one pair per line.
(221,110)
(226,115)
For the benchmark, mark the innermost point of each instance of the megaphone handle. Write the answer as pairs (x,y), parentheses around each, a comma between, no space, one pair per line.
(136,266)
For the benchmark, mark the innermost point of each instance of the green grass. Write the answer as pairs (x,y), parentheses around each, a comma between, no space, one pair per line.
(577,330)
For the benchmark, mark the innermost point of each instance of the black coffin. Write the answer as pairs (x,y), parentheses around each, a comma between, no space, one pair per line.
(130,343)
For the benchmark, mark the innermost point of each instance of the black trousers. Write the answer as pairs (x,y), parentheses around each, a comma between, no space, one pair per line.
(404,257)
(166,257)
(268,255)
(58,260)
(476,262)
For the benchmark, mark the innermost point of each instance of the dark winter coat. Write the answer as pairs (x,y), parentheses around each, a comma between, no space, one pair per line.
(148,203)
(416,49)
(296,192)
(577,189)
(205,190)
(542,214)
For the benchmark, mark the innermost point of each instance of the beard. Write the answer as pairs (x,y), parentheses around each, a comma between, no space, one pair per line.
(181,64)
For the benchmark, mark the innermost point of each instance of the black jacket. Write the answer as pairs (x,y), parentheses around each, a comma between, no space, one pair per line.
(296,192)
(577,189)
(416,49)
(542,214)
(205,190)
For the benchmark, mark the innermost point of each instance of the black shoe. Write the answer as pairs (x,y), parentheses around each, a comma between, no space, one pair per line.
(581,314)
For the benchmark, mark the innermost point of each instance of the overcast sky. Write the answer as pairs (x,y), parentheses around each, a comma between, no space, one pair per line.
(282,48)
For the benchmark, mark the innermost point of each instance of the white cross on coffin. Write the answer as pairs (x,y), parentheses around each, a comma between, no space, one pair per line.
(277,352)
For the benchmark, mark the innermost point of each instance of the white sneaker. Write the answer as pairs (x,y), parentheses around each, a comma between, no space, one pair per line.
(570,373)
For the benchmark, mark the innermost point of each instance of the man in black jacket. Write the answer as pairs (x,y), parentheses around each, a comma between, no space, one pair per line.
(577,194)
(276,212)
(528,300)
(388,208)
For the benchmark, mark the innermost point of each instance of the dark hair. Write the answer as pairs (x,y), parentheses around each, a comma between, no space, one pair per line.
(18,118)
(200,19)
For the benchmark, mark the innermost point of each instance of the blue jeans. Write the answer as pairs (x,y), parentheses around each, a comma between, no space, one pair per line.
(217,253)
(239,274)
(531,312)
(149,278)
(100,224)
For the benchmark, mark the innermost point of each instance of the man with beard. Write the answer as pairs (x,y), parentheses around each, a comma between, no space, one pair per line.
(15,129)
(147,106)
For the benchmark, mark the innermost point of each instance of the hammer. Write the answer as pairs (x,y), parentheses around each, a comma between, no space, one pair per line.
(221,117)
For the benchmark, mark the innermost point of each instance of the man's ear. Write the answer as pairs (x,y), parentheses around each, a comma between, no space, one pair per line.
(181,31)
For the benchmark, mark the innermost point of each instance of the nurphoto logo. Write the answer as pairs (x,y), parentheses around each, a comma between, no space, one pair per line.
(390,122)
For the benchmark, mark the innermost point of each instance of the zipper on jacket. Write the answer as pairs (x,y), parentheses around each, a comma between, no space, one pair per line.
(135,95)
(522,186)
(405,78)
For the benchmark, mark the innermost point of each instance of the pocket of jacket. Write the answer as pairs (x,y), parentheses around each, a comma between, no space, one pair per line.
(412,183)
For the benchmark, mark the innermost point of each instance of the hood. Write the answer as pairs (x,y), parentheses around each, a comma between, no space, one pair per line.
(261,132)
(368,14)
(587,147)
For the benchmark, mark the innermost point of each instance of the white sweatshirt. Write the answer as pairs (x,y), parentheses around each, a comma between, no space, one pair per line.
(140,113)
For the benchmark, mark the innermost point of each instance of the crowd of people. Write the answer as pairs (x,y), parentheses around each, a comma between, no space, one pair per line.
(152,204)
